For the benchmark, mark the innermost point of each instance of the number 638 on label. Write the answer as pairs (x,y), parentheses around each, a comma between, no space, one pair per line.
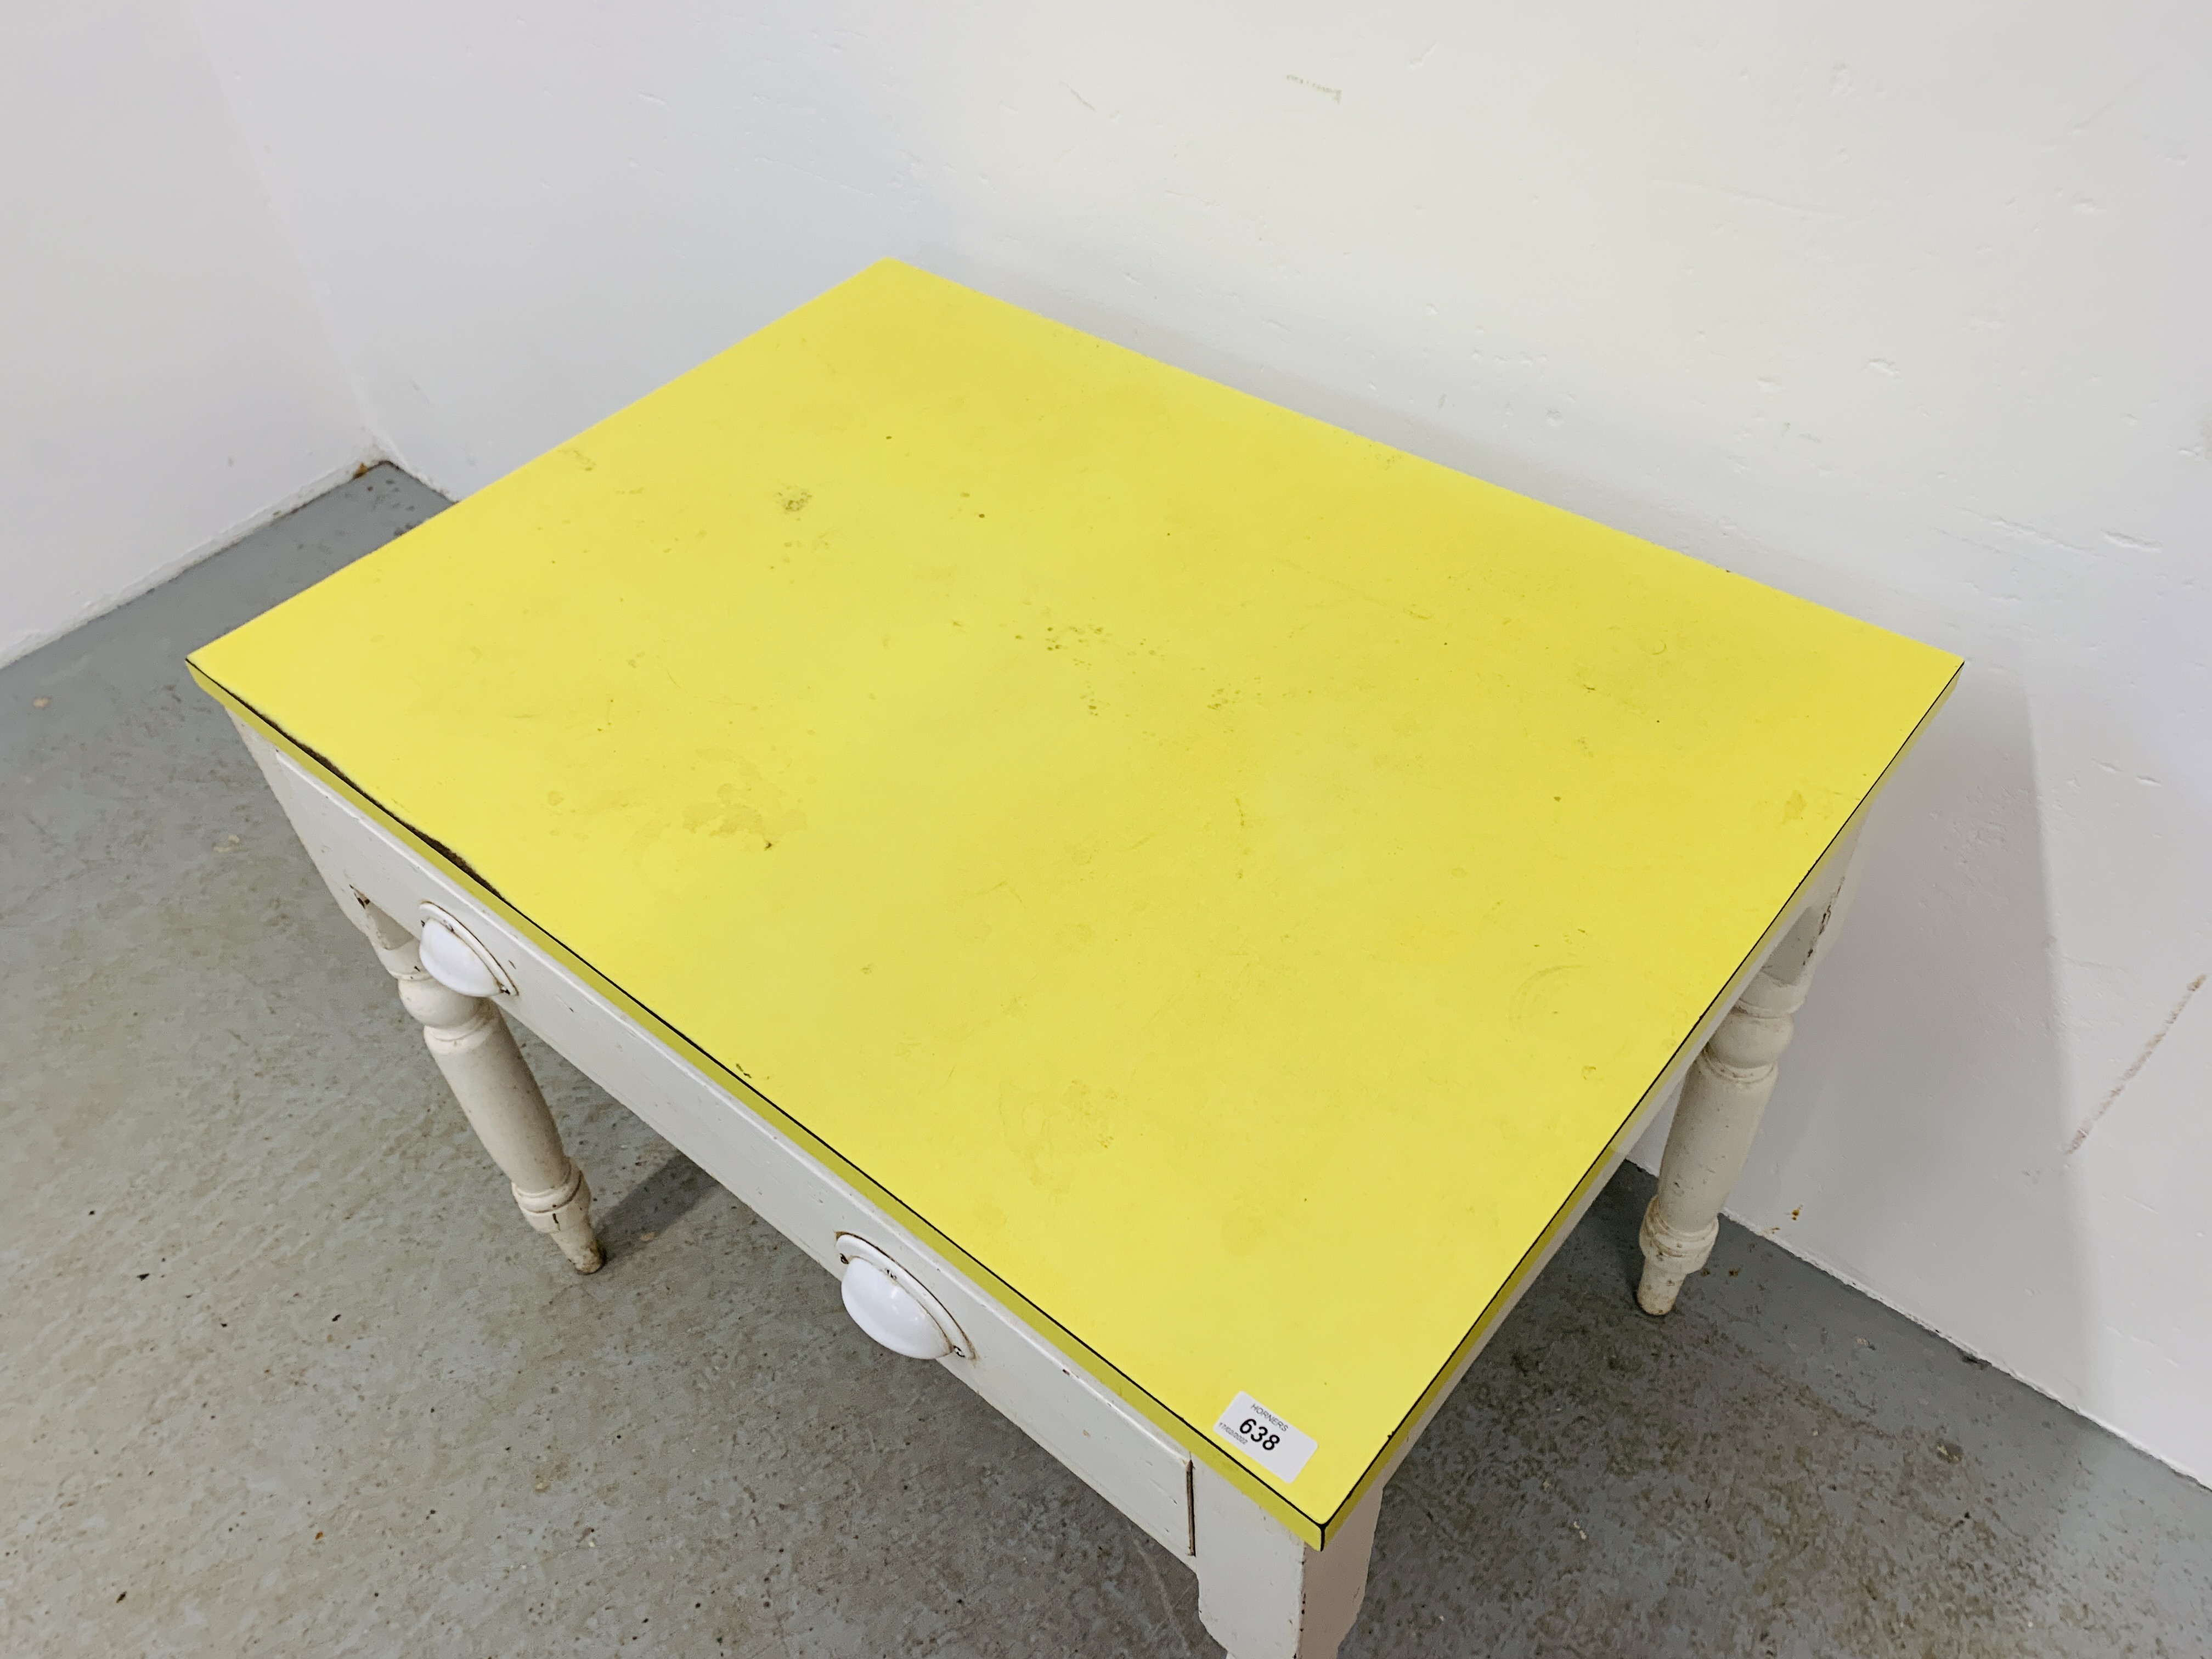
(1264,1438)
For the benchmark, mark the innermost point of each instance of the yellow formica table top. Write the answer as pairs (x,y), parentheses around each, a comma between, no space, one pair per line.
(1226,883)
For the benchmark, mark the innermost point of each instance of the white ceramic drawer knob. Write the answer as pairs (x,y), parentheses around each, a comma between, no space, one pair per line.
(456,959)
(891,1306)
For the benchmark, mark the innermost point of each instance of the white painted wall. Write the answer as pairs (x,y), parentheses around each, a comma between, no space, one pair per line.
(165,382)
(1900,307)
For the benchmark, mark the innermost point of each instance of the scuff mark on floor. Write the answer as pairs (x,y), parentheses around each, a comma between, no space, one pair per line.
(2127,1077)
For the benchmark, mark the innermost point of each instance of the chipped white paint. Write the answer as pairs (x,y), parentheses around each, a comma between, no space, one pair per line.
(1724,1095)
(488,1077)
(1264,1595)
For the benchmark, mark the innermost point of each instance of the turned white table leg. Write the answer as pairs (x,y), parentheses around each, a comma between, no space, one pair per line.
(1722,1098)
(1265,1595)
(488,1075)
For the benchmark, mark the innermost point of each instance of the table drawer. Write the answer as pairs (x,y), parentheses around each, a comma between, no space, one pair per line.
(1136,1468)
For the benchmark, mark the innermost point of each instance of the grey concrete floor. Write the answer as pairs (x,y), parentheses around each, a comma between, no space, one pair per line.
(281,1371)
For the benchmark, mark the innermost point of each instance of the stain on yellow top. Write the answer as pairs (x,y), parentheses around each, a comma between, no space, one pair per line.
(1225,880)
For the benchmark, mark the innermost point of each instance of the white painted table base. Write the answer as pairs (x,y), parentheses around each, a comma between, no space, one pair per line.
(1725,1095)
(1263,1593)
(475,1053)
